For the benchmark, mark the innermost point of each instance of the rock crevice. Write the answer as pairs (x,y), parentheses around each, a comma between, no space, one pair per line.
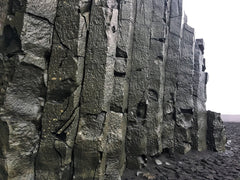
(90,87)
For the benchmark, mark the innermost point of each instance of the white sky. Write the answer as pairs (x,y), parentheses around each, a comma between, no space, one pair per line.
(218,23)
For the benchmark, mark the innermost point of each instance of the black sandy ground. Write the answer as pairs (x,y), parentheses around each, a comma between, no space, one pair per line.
(195,165)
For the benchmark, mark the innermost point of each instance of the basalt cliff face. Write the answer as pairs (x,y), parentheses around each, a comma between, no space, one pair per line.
(90,87)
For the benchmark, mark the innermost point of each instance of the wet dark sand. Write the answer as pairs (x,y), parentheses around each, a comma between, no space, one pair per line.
(196,165)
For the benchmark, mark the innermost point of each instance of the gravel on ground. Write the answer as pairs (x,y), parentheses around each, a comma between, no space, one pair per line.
(195,165)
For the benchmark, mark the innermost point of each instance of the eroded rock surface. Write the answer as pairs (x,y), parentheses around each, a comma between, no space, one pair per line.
(90,87)
(216,136)
(203,165)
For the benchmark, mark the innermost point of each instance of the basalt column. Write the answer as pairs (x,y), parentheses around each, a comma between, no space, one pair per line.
(89,87)
(25,43)
(199,129)
(115,145)
(92,145)
(184,97)
(147,81)
(216,135)
(171,74)
(64,83)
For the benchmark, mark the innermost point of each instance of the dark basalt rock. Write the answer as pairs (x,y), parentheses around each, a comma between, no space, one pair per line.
(88,88)
(216,135)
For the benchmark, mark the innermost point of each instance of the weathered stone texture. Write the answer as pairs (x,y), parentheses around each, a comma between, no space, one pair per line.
(89,87)
(199,97)
(3,15)
(171,73)
(43,9)
(216,137)
(64,82)
(184,94)
(147,81)
(91,145)
(24,88)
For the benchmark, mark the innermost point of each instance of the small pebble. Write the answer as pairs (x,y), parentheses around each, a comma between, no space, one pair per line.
(158,162)
(167,163)
(139,173)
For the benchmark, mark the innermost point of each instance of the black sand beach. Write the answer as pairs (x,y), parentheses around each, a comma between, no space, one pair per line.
(196,165)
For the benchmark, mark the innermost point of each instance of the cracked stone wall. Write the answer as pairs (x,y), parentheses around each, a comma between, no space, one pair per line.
(90,87)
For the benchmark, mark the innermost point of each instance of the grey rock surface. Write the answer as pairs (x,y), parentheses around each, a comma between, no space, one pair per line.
(184,93)
(171,75)
(216,135)
(199,97)
(88,88)
(203,165)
